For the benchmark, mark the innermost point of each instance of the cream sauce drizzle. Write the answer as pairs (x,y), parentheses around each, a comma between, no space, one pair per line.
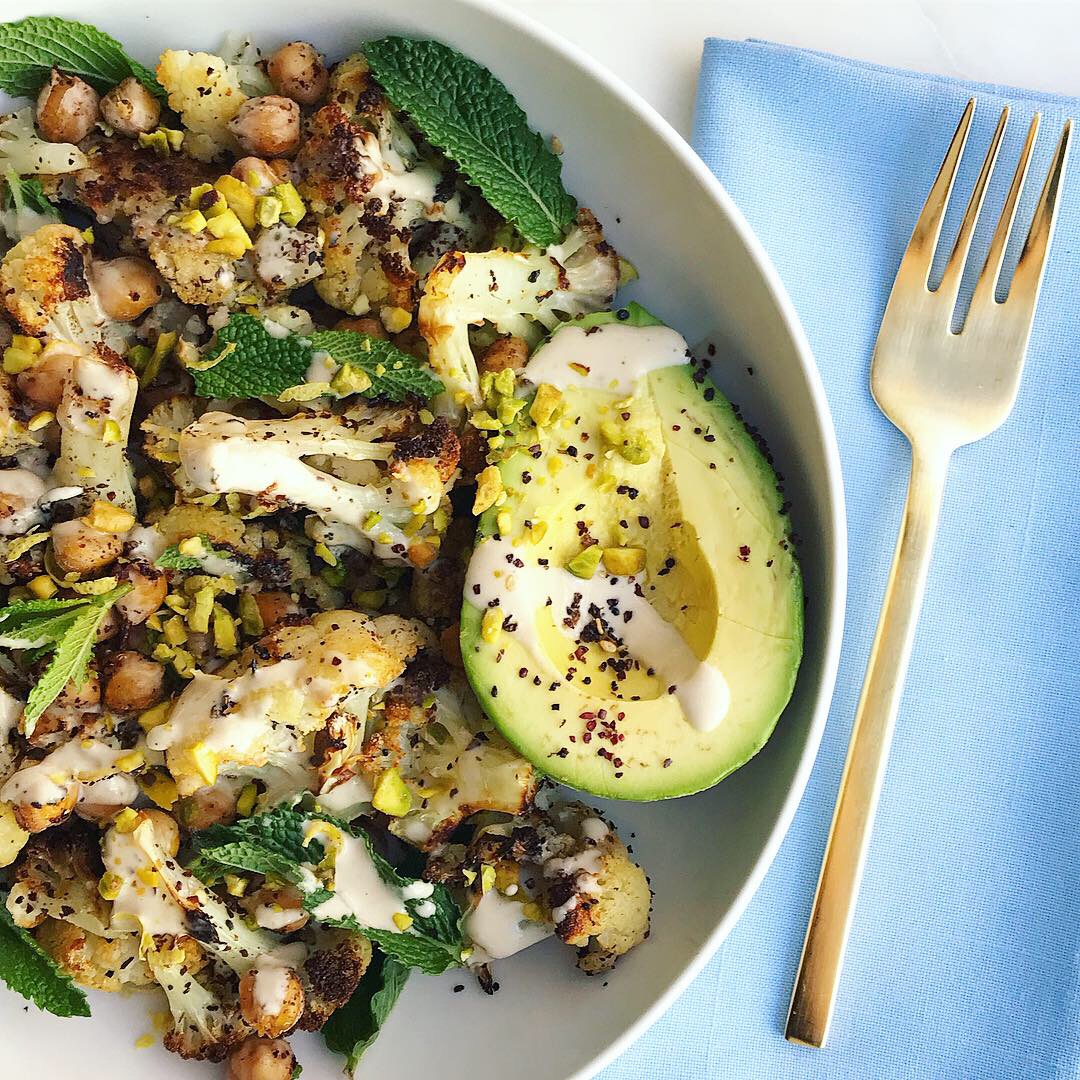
(47,781)
(613,357)
(521,593)
(499,927)
(359,891)
(274,974)
(139,907)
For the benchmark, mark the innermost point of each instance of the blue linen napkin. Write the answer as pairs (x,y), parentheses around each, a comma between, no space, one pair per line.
(964,960)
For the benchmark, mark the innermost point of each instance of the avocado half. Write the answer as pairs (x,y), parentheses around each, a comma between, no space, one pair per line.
(719,567)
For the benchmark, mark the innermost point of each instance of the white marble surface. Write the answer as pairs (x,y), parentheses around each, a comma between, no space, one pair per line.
(655,45)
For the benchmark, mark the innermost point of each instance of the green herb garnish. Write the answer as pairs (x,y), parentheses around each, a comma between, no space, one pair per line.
(67,628)
(31,972)
(244,360)
(32,47)
(28,194)
(464,110)
(354,1027)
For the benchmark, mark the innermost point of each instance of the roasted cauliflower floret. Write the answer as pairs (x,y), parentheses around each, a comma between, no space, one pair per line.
(47,291)
(206,92)
(268,703)
(599,897)
(196,274)
(57,876)
(97,962)
(95,421)
(522,293)
(330,464)
(13,433)
(429,729)
(331,974)
(127,183)
(206,1018)
(24,152)
(161,428)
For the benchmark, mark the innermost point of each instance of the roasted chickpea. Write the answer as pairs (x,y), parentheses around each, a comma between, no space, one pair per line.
(126,286)
(267,126)
(166,831)
(37,817)
(277,907)
(108,627)
(130,109)
(208,806)
(274,607)
(80,697)
(298,72)
(135,682)
(148,589)
(510,352)
(81,549)
(372,327)
(261,1059)
(257,1011)
(67,109)
(43,384)
(260,175)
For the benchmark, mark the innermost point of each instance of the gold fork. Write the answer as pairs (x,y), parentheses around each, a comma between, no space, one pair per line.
(942,390)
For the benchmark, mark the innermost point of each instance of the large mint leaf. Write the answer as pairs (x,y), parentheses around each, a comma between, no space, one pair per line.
(471,116)
(28,970)
(27,194)
(245,360)
(394,374)
(354,1027)
(31,47)
(71,656)
(249,362)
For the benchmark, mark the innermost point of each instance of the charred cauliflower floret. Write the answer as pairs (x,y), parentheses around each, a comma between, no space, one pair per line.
(206,92)
(366,488)
(127,183)
(95,415)
(428,729)
(24,152)
(48,292)
(522,293)
(206,1018)
(333,970)
(162,426)
(567,869)
(100,963)
(196,274)
(56,877)
(266,705)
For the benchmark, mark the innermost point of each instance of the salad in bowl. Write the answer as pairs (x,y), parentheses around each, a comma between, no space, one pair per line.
(354,537)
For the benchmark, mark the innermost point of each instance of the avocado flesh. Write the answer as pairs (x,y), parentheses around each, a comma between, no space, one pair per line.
(705,498)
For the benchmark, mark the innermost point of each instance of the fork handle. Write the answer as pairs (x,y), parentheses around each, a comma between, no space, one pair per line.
(860,786)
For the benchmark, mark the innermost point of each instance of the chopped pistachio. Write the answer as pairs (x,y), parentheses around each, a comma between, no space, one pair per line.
(109,885)
(292,206)
(392,795)
(224,631)
(175,632)
(624,560)
(545,403)
(395,319)
(40,420)
(503,522)
(127,820)
(42,587)
(268,210)
(198,617)
(234,884)
(250,620)
(245,801)
(487,878)
(325,554)
(489,486)
(16,360)
(111,433)
(240,197)
(132,760)
(106,517)
(402,920)
(159,787)
(371,599)
(350,380)
(508,409)
(491,624)
(194,221)
(585,562)
(156,716)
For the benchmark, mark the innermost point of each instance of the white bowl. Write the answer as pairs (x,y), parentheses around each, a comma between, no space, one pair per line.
(704,272)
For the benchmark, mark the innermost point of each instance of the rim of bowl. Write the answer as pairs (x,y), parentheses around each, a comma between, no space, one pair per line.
(836,518)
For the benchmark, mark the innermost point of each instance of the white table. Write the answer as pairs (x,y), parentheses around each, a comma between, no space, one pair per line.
(655,45)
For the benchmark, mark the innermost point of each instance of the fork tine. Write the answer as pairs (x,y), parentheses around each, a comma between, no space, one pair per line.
(1029,270)
(988,279)
(919,257)
(949,288)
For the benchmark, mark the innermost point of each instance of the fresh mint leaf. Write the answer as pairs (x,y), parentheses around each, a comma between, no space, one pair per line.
(28,194)
(30,971)
(245,360)
(72,628)
(354,1027)
(394,374)
(272,843)
(32,47)
(464,110)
